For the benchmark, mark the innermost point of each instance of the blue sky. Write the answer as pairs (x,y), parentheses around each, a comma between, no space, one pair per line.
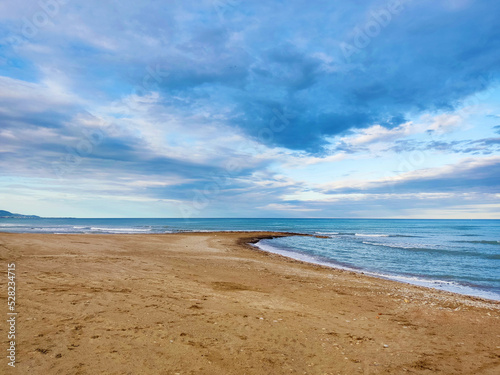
(225,108)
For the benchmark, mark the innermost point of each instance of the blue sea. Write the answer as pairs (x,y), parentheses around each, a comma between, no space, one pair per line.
(461,256)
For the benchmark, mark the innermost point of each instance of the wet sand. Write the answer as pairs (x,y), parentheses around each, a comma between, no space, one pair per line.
(207,303)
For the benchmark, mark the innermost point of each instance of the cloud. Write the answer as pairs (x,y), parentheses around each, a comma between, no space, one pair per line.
(164,102)
(379,133)
(287,207)
(263,56)
(445,123)
(471,175)
(482,146)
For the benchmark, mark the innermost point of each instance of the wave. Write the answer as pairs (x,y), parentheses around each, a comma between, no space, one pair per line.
(119,230)
(371,235)
(50,229)
(402,247)
(365,234)
(404,236)
(335,234)
(385,235)
(431,250)
(481,242)
(219,230)
(463,227)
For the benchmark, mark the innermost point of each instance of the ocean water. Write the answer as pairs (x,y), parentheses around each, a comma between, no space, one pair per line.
(461,256)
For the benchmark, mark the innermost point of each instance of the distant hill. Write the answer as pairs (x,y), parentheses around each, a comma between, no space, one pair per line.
(9,215)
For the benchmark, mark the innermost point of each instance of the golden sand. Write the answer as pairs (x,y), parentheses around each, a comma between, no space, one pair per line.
(207,303)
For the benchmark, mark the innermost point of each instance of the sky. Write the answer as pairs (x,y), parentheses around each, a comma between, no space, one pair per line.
(227,108)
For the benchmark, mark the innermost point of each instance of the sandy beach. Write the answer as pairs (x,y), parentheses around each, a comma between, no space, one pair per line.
(208,303)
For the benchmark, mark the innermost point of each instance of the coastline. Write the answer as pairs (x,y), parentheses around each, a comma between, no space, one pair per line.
(211,303)
(416,280)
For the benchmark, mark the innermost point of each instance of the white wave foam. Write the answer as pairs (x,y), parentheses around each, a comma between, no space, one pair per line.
(370,235)
(119,230)
(400,246)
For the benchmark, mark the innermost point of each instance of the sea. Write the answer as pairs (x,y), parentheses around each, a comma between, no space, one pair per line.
(461,256)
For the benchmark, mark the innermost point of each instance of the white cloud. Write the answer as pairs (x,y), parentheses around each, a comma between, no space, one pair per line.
(20,97)
(379,133)
(459,168)
(445,123)
(287,207)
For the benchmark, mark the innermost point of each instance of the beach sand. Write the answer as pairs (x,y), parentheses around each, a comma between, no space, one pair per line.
(206,303)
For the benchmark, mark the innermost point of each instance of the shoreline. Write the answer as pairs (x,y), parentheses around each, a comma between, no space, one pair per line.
(420,281)
(253,245)
(212,303)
